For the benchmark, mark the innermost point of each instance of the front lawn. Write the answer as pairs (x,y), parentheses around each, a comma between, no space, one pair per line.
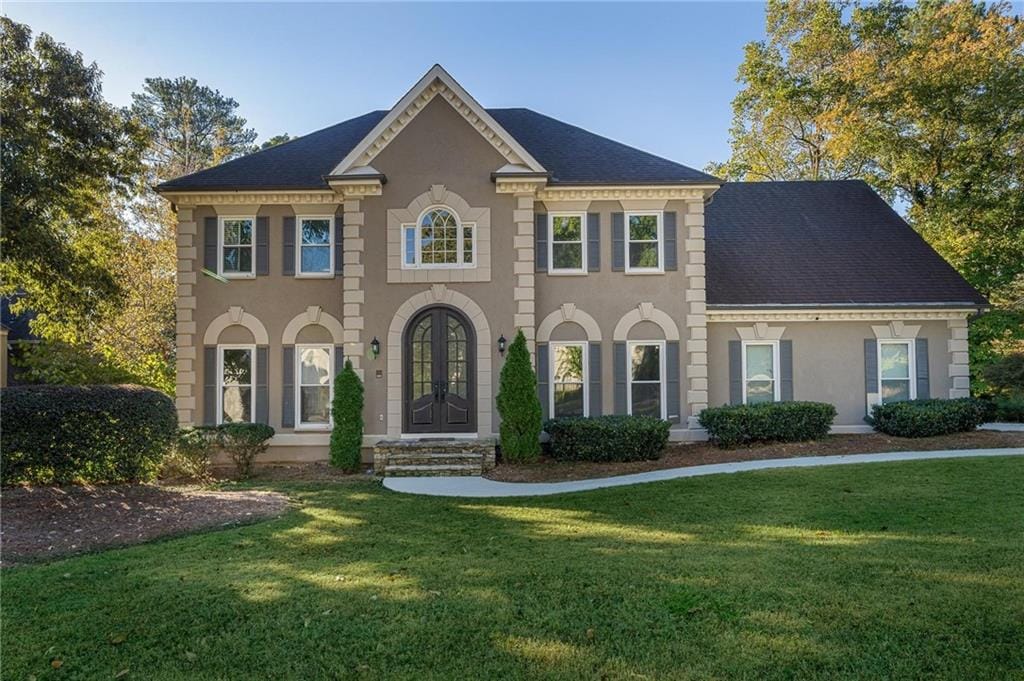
(909,570)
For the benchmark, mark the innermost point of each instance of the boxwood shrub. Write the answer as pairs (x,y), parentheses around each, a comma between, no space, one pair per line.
(1009,410)
(84,433)
(730,426)
(928,418)
(607,438)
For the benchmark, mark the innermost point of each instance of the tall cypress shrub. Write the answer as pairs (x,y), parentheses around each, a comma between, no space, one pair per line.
(519,405)
(347,411)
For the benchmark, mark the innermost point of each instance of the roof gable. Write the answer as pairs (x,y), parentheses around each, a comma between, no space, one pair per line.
(435,83)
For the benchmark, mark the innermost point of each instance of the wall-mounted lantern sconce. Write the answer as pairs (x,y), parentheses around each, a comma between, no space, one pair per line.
(501,345)
(375,347)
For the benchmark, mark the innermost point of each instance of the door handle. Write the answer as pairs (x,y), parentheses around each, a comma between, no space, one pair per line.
(437,391)
(444,389)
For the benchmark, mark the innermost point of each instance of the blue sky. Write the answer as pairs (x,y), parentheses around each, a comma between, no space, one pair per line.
(658,76)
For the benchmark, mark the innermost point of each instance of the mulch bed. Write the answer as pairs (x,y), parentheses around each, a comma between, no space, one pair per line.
(41,523)
(696,454)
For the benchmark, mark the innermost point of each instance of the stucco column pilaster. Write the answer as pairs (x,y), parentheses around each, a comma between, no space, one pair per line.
(696,317)
(959,362)
(524,269)
(353,293)
(185,328)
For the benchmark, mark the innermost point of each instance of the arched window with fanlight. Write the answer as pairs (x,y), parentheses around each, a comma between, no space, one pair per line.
(439,239)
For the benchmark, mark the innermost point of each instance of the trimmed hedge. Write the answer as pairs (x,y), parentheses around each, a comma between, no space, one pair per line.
(243,442)
(1009,410)
(607,438)
(928,418)
(730,426)
(84,433)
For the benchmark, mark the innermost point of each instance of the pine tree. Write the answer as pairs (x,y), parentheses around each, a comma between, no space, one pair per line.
(347,411)
(518,405)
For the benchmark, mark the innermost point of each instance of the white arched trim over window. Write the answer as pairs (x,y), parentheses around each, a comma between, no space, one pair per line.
(313,315)
(439,239)
(236,315)
(568,312)
(646,312)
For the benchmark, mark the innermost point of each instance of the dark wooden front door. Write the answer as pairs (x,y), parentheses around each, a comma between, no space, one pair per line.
(439,373)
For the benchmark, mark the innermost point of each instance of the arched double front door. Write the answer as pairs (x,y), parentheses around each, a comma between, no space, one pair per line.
(439,373)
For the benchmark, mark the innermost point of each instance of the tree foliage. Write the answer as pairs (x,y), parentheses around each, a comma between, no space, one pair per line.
(347,414)
(66,154)
(924,101)
(191,126)
(518,404)
(275,140)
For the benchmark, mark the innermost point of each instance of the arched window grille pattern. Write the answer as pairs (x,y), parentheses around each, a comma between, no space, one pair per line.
(439,239)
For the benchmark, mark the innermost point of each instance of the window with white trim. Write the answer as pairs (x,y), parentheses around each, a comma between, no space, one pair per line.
(236,236)
(315,254)
(566,246)
(644,243)
(314,385)
(896,362)
(761,372)
(439,239)
(236,372)
(569,380)
(646,378)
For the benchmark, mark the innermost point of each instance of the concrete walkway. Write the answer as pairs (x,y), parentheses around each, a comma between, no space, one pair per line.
(1005,427)
(481,487)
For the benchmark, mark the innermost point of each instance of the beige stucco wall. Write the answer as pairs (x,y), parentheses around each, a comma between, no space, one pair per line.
(828,362)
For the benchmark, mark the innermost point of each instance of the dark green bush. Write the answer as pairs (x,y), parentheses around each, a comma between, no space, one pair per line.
(243,442)
(607,438)
(519,405)
(191,457)
(347,412)
(1009,410)
(928,418)
(1006,375)
(767,422)
(84,434)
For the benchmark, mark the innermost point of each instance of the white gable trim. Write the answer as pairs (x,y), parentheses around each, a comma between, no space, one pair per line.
(436,83)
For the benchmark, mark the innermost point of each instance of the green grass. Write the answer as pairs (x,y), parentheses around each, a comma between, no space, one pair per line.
(909,570)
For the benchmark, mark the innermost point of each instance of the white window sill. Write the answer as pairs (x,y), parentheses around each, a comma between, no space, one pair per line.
(238,275)
(312,428)
(568,273)
(316,275)
(645,271)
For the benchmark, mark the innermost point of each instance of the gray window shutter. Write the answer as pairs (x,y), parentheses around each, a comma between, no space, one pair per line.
(595,379)
(339,244)
(735,372)
(618,242)
(672,381)
(339,359)
(209,385)
(671,249)
(921,358)
(288,246)
(288,386)
(210,244)
(619,371)
(786,369)
(262,245)
(262,411)
(540,230)
(543,385)
(870,365)
(593,242)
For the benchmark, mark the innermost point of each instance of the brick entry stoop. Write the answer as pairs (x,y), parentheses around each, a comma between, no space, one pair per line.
(433,457)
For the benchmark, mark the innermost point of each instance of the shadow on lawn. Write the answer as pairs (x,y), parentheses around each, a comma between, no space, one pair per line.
(763,575)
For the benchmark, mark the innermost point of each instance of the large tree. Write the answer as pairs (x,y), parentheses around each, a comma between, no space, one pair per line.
(66,154)
(191,126)
(925,102)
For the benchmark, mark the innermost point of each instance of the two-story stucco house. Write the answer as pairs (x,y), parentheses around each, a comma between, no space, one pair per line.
(415,241)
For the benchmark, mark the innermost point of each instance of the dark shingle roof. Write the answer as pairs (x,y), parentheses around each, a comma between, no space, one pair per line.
(575,156)
(820,243)
(570,154)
